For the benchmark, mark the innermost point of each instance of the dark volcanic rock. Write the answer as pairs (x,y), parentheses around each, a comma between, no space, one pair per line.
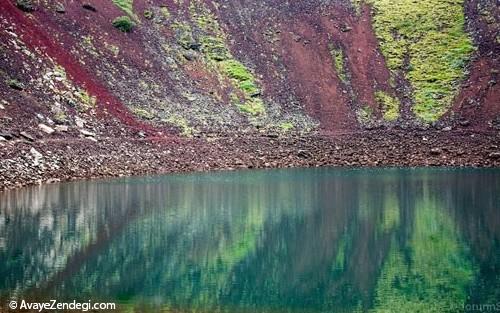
(89,7)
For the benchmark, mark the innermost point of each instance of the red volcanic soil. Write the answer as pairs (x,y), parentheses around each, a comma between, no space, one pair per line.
(36,35)
(306,51)
(313,77)
(301,56)
(479,99)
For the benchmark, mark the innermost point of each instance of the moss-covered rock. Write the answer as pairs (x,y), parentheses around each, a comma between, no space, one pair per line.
(25,5)
(15,84)
(215,48)
(124,23)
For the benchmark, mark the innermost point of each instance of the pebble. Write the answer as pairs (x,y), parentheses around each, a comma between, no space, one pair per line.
(87,133)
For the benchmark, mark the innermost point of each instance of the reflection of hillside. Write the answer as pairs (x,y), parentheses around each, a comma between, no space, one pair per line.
(478,218)
(42,227)
(308,240)
(432,271)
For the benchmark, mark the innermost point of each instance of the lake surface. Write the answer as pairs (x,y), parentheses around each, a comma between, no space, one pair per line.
(306,240)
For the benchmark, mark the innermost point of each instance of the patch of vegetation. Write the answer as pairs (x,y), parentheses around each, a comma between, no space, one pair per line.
(286,126)
(165,12)
(338,60)
(203,18)
(59,116)
(210,41)
(357,5)
(215,48)
(124,23)
(143,113)
(148,14)
(253,107)
(365,114)
(183,34)
(182,124)
(88,45)
(389,105)
(430,34)
(237,71)
(115,50)
(127,6)
(86,101)
(59,71)
(15,84)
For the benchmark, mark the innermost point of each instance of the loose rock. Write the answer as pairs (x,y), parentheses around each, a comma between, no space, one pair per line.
(87,133)
(62,128)
(27,136)
(46,129)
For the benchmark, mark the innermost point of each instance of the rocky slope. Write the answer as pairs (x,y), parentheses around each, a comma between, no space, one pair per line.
(94,81)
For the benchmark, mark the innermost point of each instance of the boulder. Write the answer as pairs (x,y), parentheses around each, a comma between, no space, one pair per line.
(436,151)
(7,135)
(25,5)
(494,155)
(60,8)
(27,136)
(46,129)
(37,156)
(87,133)
(464,123)
(62,128)
(79,122)
(304,154)
(88,6)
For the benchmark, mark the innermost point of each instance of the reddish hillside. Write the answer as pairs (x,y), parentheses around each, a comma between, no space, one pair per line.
(202,67)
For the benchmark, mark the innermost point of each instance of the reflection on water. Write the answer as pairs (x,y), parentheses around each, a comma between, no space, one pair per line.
(316,240)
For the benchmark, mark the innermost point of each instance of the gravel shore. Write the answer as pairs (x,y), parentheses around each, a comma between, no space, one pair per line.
(23,162)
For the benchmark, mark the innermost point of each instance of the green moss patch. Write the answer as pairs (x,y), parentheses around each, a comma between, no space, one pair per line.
(215,48)
(148,14)
(237,71)
(143,113)
(85,101)
(338,61)
(430,35)
(365,114)
(183,34)
(124,23)
(389,105)
(181,123)
(204,34)
(126,6)
(253,107)
(286,126)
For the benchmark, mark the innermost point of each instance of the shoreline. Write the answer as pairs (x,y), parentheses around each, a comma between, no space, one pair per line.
(24,163)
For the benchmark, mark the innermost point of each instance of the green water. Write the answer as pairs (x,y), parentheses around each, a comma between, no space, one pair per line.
(311,240)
